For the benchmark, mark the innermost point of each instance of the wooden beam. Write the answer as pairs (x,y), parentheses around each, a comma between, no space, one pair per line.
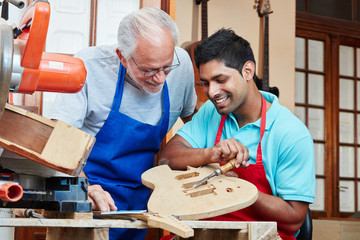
(71,223)
(150,3)
(171,9)
(93,20)
(53,144)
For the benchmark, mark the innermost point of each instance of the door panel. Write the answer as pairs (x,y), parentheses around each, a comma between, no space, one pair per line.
(349,124)
(69,27)
(311,81)
(109,15)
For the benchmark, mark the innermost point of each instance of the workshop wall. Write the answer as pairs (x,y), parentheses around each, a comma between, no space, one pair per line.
(72,17)
(243,19)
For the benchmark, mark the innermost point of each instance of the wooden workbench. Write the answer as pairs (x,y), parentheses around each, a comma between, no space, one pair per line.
(97,229)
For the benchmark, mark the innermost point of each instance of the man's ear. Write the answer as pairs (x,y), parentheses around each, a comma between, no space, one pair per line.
(248,70)
(122,59)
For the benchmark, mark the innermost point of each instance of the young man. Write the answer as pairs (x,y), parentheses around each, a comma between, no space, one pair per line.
(133,94)
(242,122)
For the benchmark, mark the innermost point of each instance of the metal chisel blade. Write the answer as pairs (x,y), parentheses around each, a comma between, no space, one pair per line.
(204,180)
(223,169)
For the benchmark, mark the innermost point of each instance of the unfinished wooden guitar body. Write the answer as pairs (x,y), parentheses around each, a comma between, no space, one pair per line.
(174,195)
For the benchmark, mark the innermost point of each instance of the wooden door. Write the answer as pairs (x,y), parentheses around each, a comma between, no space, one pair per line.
(312,106)
(327,96)
(348,80)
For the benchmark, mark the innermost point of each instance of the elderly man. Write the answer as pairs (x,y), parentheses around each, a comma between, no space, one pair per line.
(134,93)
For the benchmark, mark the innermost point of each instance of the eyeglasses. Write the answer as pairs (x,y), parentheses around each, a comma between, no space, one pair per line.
(155,71)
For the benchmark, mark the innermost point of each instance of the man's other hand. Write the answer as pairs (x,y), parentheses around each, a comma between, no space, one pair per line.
(100,199)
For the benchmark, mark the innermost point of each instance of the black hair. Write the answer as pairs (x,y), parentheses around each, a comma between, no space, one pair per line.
(224,46)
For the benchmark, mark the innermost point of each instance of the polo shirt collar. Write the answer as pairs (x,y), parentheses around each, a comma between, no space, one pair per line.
(270,114)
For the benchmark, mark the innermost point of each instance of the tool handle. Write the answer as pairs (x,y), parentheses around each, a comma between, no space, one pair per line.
(228,166)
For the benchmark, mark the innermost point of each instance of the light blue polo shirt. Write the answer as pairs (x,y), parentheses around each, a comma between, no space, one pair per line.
(287,146)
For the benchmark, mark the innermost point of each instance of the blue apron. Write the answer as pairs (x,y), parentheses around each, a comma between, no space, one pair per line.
(123,150)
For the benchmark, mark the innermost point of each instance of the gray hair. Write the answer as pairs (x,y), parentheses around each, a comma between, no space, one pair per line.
(146,22)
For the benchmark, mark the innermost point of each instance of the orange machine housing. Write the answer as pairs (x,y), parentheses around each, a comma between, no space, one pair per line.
(43,71)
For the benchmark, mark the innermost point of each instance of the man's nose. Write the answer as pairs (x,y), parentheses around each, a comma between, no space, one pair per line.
(159,77)
(213,90)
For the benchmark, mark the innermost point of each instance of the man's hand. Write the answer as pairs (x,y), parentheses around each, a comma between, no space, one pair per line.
(179,154)
(228,149)
(100,199)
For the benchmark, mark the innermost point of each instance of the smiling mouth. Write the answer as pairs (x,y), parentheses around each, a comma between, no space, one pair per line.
(219,101)
(154,84)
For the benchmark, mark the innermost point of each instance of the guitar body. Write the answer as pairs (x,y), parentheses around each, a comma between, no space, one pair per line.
(173,193)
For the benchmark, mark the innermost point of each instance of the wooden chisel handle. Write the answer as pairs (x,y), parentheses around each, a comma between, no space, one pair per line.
(228,166)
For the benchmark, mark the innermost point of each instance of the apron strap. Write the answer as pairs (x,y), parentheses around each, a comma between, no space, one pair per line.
(166,106)
(221,127)
(119,87)
(262,130)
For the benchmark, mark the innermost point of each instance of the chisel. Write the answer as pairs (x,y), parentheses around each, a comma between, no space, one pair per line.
(223,169)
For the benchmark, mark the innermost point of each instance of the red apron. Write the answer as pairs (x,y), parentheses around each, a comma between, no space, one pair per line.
(254,173)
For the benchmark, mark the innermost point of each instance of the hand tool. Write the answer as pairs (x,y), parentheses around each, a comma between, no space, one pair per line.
(221,170)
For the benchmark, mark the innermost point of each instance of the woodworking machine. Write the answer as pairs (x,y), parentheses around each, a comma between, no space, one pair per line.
(26,68)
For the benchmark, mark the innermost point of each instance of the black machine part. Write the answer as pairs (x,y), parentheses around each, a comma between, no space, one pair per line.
(64,194)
